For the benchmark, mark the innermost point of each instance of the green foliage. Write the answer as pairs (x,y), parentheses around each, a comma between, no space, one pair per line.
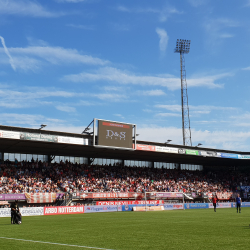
(189,229)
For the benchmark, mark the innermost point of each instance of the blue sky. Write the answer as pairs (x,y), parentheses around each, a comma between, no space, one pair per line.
(65,62)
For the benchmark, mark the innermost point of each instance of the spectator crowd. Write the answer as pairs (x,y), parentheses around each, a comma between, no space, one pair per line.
(37,177)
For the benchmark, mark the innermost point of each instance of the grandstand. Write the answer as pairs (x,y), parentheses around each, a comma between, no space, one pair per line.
(70,168)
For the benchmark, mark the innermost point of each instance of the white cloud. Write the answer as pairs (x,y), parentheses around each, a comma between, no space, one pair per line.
(167,12)
(222,139)
(119,115)
(173,108)
(7,53)
(31,97)
(58,55)
(148,110)
(124,77)
(34,121)
(155,92)
(155,133)
(215,29)
(37,42)
(21,119)
(163,39)
(248,3)
(25,63)
(85,103)
(163,14)
(79,26)
(66,108)
(217,139)
(207,81)
(200,109)
(123,8)
(241,120)
(247,68)
(226,35)
(35,93)
(168,115)
(25,8)
(36,96)
(111,97)
(33,57)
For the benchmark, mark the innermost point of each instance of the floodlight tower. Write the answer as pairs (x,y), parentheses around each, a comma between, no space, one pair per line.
(183,47)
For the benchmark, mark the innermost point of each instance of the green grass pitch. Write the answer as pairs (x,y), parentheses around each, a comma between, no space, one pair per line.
(189,229)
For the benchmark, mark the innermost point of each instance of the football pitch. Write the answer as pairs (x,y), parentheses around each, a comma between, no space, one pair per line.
(189,229)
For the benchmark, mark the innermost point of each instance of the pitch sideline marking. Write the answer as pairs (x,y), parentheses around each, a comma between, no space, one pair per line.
(52,243)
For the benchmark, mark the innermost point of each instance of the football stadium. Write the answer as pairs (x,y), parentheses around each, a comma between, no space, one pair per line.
(72,192)
(135,178)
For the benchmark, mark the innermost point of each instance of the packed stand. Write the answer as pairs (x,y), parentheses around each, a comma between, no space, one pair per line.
(37,177)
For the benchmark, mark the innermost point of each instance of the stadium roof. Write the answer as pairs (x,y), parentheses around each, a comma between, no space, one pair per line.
(67,149)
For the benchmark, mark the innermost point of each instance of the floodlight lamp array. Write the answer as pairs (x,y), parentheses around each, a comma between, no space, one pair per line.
(182,46)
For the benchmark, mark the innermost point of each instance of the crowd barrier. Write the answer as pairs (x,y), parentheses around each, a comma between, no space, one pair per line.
(34,211)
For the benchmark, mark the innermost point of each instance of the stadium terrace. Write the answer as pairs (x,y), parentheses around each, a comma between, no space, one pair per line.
(50,167)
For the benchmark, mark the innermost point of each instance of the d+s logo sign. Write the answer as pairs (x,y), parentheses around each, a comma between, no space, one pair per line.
(111,134)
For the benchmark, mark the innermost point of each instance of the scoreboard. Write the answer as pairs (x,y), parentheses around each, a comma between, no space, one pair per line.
(115,134)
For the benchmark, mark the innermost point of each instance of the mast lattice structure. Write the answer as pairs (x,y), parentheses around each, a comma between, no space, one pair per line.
(183,47)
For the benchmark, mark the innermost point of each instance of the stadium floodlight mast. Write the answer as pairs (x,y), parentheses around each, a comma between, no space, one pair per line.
(183,47)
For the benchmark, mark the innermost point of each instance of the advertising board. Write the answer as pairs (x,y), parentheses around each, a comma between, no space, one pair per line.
(25,211)
(173,206)
(145,147)
(227,155)
(148,208)
(63,210)
(137,196)
(9,134)
(95,209)
(244,157)
(167,195)
(221,205)
(9,197)
(141,202)
(192,152)
(244,204)
(196,205)
(207,153)
(166,150)
(4,212)
(31,211)
(42,137)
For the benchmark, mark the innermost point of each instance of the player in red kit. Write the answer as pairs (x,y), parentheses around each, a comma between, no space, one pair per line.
(214,200)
